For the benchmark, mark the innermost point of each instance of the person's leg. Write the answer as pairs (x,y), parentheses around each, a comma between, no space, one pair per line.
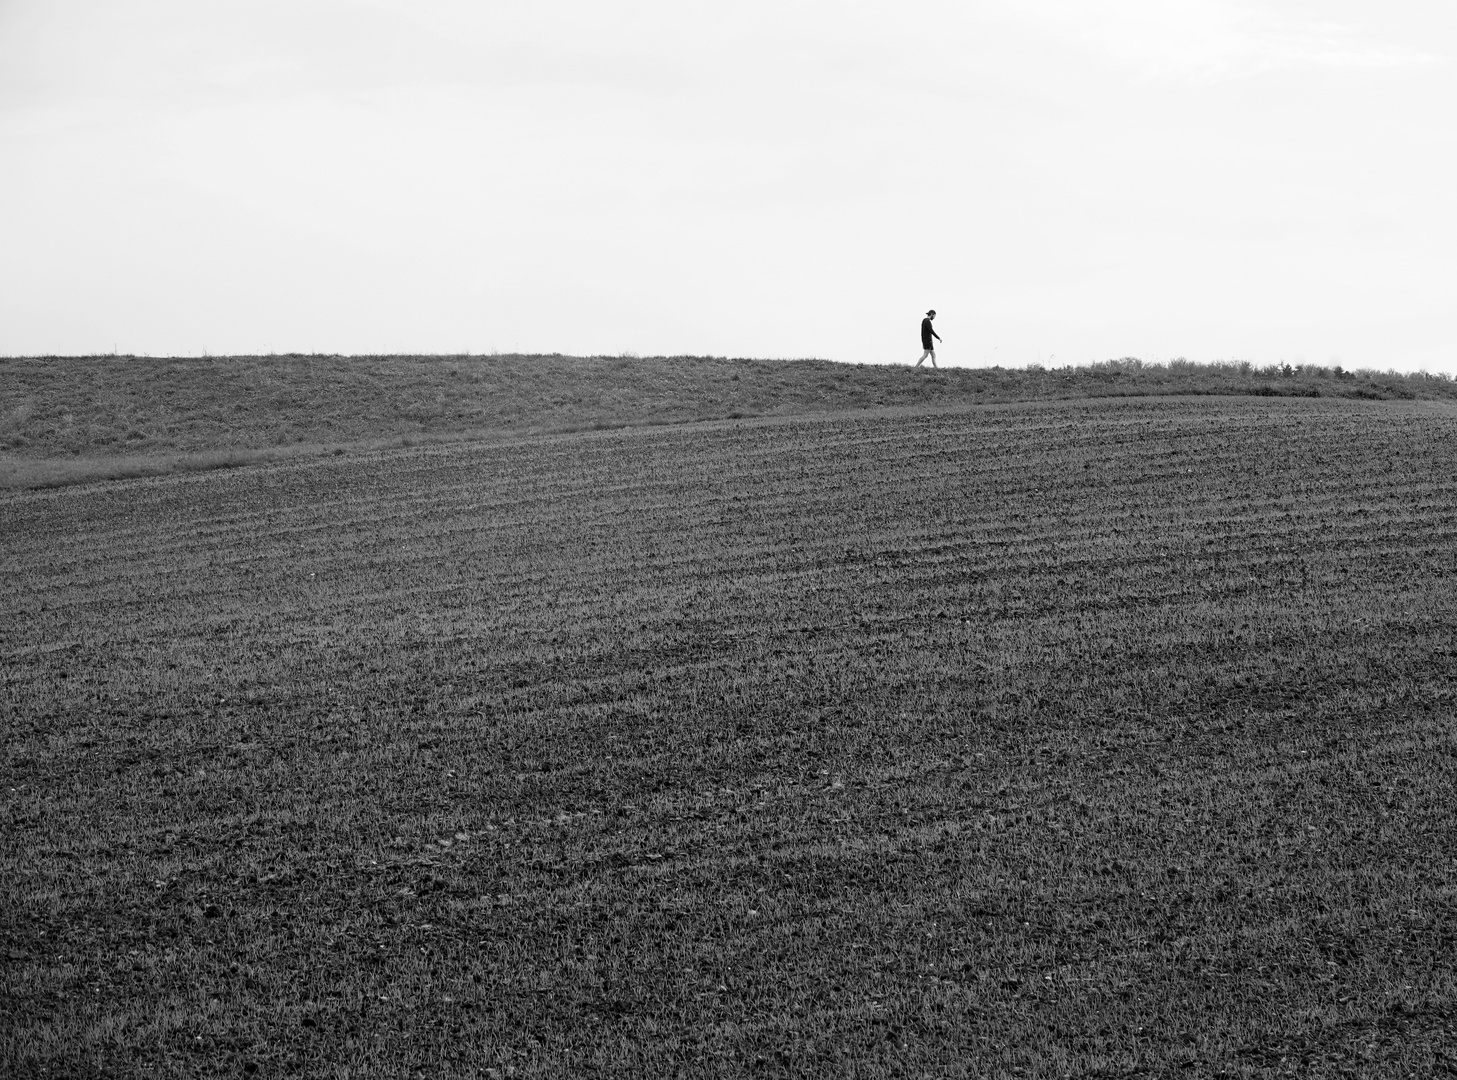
(932,354)
(922,360)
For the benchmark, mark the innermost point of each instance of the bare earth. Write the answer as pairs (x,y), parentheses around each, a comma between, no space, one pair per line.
(1074,738)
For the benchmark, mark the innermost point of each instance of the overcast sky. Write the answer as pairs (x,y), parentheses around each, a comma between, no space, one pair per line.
(1063,180)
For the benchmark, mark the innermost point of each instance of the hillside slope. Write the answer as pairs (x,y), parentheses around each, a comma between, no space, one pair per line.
(1092,738)
(64,419)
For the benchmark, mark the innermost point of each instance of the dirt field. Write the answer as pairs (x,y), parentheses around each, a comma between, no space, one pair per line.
(1066,739)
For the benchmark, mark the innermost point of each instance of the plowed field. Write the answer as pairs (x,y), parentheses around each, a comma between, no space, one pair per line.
(1080,738)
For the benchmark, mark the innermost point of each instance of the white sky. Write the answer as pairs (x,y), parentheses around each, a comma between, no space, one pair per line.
(1064,180)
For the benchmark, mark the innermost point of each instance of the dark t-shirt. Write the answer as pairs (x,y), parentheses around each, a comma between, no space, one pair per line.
(927,334)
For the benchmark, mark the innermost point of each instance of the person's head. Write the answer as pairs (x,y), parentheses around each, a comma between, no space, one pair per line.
(931,314)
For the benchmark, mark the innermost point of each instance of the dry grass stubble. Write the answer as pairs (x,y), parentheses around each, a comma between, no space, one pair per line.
(66,420)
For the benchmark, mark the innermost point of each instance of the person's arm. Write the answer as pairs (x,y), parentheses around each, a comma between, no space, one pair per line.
(934,334)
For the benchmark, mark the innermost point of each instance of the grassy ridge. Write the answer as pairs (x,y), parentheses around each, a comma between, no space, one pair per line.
(66,419)
(1066,739)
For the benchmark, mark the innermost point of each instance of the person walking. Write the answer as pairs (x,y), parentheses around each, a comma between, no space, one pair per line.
(926,335)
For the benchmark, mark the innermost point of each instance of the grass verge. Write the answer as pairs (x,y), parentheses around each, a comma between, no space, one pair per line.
(69,419)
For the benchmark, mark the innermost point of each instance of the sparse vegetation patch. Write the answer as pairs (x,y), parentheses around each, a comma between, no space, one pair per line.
(70,419)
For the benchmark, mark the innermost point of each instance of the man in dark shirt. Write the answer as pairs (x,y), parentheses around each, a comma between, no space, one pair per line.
(926,335)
